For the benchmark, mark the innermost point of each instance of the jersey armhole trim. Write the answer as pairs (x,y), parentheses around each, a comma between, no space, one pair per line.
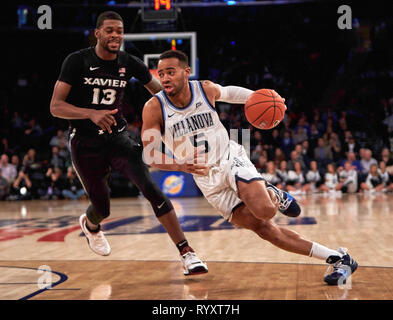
(205,96)
(162,112)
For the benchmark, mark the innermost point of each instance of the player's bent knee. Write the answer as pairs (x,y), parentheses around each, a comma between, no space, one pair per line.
(265,212)
(269,211)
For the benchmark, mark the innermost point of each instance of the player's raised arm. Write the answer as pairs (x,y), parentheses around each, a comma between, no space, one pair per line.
(230,94)
(152,143)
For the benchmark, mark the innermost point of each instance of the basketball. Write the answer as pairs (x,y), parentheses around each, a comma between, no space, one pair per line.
(265,109)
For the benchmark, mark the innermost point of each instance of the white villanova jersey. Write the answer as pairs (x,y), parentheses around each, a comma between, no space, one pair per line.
(195,126)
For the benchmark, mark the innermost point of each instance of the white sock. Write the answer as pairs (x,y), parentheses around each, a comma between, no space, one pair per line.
(321,252)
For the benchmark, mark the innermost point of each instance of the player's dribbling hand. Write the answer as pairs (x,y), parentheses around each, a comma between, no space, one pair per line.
(193,168)
(196,164)
(104,118)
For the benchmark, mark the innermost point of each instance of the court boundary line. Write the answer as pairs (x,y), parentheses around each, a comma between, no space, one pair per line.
(63,278)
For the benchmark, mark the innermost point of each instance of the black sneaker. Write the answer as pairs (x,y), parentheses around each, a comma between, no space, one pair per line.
(340,269)
(287,204)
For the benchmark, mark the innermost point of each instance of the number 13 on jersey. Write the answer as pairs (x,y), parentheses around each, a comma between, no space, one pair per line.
(108,96)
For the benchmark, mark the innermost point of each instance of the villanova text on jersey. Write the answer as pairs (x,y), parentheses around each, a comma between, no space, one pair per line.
(191,124)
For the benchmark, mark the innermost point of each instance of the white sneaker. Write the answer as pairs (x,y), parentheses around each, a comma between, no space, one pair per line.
(192,264)
(96,241)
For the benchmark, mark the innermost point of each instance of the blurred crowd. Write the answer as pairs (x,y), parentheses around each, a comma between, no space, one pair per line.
(25,176)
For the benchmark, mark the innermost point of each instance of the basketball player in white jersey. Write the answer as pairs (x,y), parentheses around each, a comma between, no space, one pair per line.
(183,115)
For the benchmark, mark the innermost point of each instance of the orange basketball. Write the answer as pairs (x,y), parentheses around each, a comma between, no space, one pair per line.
(265,109)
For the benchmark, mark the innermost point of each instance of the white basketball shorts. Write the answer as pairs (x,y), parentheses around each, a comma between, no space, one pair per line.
(220,186)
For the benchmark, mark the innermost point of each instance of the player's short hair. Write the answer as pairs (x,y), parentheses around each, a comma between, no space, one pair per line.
(181,56)
(107,15)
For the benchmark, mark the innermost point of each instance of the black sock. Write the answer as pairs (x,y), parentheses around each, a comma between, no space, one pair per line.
(93,231)
(181,245)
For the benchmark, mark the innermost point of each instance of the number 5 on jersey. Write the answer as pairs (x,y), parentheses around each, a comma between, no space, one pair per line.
(200,140)
(109,96)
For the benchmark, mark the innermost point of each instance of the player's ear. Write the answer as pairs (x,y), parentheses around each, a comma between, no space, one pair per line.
(96,32)
(188,71)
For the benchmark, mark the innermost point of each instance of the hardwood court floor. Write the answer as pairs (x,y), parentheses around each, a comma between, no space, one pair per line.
(45,235)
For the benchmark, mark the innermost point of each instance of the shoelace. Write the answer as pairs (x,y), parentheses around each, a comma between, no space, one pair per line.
(283,203)
(190,257)
(100,239)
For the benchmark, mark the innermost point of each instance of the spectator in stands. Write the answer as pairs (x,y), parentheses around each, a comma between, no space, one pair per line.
(72,186)
(8,170)
(4,146)
(275,140)
(314,177)
(282,173)
(374,181)
(261,165)
(303,157)
(55,184)
(300,135)
(367,160)
(278,157)
(315,134)
(318,124)
(33,133)
(15,162)
(64,152)
(297,183)
(35,171)
(21,188)
(295,157)
(56,160)
(4,187)
(331,181)
(351,145)
(17,121)
(386,176)
(335,146)
(323,153)
(271,175)
(386,157)
(302,123)
(256,152)
(343,127)
(256,138)
(29,158)
(307,152)
(59,137)
(351,158)
(348,177)
(287,143)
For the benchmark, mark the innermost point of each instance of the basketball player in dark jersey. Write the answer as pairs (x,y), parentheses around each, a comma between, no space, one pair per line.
(88,93)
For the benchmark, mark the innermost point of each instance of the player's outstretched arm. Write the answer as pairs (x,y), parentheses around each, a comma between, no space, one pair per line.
(62,109)
(152,143)
(230,94)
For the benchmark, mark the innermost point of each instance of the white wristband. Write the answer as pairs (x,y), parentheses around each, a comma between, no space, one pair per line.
(234,94)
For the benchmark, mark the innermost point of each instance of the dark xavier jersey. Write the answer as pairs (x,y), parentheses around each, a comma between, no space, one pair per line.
(100,84)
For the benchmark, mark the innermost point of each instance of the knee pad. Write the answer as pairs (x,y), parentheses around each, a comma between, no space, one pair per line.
(162,208)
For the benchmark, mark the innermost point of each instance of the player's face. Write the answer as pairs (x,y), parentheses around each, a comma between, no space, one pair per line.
(173,75)
(110,35)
